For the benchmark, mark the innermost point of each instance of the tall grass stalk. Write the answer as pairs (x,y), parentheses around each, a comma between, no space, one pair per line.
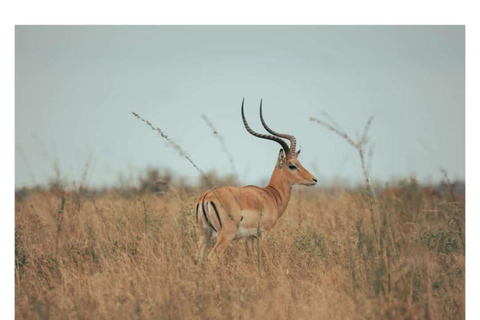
(174,145)
(59,220)
(360,146)
(260,236)
(223,145)
(145,216)
(184,155)
(379,276)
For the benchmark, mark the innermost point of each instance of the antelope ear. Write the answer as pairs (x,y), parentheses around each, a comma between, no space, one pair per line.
(297,153)
(281,158)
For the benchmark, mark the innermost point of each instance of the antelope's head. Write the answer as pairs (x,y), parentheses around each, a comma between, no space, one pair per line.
(288,166)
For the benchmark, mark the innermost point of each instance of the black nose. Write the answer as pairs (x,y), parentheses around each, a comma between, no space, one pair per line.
(315,180)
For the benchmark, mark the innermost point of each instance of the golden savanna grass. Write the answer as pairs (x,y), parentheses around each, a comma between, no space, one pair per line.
(116,256)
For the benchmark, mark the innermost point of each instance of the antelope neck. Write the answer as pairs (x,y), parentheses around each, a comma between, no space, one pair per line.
(280,191)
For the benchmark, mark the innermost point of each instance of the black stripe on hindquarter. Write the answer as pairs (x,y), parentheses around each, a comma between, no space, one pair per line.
(216,212)
(205,215)
(196,213)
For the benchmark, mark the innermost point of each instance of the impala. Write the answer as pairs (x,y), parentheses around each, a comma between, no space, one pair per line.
(232,213)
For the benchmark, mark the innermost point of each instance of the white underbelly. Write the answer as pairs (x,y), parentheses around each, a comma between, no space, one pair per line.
(245,233)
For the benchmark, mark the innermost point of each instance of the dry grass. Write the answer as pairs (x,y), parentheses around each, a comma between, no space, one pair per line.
(131,257)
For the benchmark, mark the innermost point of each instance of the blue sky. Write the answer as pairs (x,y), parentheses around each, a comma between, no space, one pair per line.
(76,86)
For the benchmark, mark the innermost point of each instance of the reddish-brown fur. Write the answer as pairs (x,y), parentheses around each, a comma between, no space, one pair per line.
(242,212)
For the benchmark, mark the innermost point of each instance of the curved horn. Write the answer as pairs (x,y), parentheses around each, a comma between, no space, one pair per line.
(293,141)
(264,136)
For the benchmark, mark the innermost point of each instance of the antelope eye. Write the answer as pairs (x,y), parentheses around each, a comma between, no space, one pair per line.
(292,166)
